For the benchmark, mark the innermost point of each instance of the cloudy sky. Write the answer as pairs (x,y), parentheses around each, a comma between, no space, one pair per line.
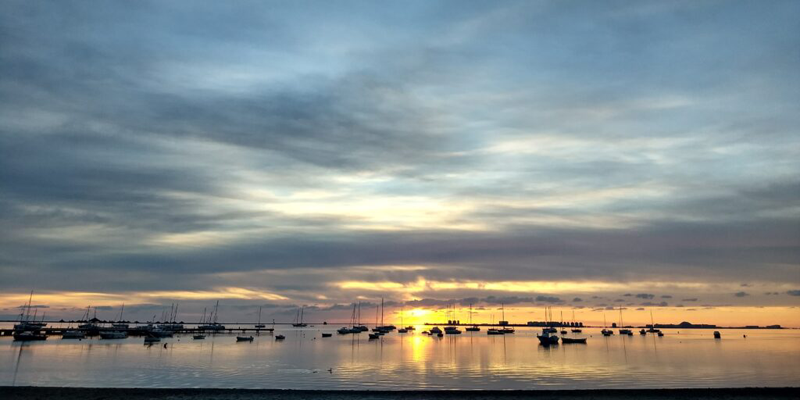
(580,154)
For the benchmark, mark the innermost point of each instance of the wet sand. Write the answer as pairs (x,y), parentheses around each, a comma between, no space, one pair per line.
(55,393)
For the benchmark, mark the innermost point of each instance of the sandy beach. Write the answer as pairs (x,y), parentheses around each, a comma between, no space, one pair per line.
(57,393)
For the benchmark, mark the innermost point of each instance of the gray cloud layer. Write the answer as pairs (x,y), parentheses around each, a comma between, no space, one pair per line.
(612,142)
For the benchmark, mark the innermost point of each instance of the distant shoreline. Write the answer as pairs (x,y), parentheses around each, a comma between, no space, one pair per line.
(63,393)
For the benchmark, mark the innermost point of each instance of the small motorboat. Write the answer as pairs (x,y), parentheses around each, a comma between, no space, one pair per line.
(73,335)
(327,334)
(280,337)
(198,337)
(660,334)
(28,336)
(473,328)
(493,331)
(607,332)
(373,336)
(563,331)
(452,330)
(507,330)
(643,332)
(435,330)
(576,330)
(402,330)
(567,340)
(113,335)
(440,334)
(244,338)
(717,335)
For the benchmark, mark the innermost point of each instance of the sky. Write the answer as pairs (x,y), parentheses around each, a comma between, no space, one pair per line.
(577,154)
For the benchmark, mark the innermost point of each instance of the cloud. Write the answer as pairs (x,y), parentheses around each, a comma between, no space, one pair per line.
(741,294)
(793,292)
(651,304)
(691,299)
(645,296)
(666,296)
(190,155)
(577,300)
(548,299)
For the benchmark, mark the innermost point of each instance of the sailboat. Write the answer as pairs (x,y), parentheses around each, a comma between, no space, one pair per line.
(653,326)
(120,324)
(298,320)
(259,325)
(120,329)
(606,332)
(622,330)
(358,326)
(575,324)
(473,328)
(382,329)
(506,329)
(563,331)
(402,330)
(212,324)
(353,329)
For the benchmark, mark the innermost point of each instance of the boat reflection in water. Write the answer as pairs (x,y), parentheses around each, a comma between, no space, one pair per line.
(691,358)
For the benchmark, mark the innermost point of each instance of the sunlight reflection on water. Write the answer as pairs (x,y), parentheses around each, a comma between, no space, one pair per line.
(468,361)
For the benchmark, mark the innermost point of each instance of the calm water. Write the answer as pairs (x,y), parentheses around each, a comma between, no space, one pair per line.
(691,358)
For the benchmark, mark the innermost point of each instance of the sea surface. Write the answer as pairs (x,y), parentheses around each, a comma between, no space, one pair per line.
(689,358)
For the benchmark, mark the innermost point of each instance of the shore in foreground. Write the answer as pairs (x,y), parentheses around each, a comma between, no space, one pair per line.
(59,393)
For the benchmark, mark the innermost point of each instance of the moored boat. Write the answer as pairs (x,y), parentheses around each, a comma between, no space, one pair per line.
(244,338)
(546,338)
(198,337)
(327,334)
(567,340)
(28,336)
(73,335)
(113,335)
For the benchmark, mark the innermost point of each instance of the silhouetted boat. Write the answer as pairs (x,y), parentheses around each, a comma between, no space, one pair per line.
(198,337)
(259,325)
(435,330)
(659,333)
(717,335)
(298,320)
(244,338)
(494,331)
(73,335)
(212,324)
(28,336)
(623,331)
(452,330)
(643,332)
(546,339)
(567,340)
(280,337)
(374,336)
(327,334)
(113,335)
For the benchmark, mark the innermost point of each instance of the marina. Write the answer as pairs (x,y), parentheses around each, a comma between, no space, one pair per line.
(471,360)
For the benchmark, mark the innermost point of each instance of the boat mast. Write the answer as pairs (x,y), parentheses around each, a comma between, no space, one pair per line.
(216,312)
(382,311)
(259,315)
